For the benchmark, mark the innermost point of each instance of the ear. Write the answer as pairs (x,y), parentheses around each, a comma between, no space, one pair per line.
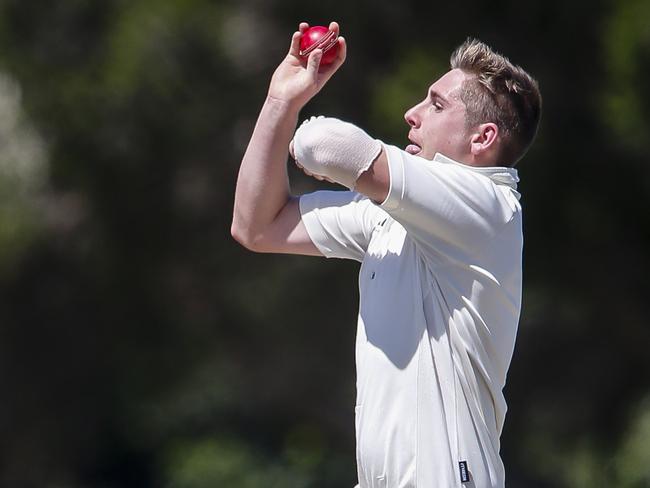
(484,139)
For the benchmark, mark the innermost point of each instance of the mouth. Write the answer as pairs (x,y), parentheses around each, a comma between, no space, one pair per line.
(413,149)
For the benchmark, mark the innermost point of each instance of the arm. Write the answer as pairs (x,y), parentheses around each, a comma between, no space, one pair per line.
(434,201)
(340,152)
(266,218)
(375,181)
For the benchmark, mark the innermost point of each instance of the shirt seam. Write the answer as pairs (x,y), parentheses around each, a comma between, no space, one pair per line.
(315,233)
(392,201)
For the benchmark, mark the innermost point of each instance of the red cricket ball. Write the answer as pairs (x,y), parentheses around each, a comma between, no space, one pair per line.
(319,37)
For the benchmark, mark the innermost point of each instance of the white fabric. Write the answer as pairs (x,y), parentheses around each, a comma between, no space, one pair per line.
(338,150)
(440,294)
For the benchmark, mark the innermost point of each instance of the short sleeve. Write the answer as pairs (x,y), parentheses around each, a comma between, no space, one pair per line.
(443,204)
(339,223)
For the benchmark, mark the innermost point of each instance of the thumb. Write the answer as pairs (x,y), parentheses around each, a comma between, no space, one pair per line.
(313,63)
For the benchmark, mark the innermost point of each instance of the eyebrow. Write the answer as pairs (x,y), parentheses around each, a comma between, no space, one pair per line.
(434,94)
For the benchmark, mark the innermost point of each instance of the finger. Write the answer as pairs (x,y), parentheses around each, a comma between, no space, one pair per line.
(334,26)
(294,49)
(303,27)
(342,54)
(328,71)
(313,63)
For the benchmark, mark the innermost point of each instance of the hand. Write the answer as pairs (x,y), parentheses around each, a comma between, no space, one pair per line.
(295,80)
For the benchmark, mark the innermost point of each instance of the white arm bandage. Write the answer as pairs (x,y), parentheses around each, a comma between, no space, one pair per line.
(335,149)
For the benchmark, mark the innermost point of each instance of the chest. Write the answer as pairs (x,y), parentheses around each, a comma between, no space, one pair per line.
(391,273)
(390,291)
(386,254)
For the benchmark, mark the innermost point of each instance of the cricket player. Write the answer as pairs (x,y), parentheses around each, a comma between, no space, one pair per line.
(437,228)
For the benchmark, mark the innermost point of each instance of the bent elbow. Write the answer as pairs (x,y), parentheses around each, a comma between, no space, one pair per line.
(240,236)
(245,239)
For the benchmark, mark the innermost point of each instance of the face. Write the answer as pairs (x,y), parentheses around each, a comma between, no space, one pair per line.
(438,122)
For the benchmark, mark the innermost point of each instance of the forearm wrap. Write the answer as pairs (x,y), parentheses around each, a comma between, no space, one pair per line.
(335,149)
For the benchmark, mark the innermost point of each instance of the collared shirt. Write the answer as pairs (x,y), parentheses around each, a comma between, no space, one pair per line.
(440,296)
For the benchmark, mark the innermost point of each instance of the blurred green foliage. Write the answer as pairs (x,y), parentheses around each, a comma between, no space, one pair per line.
(210,463)
(140,346)
(23,167)
(403,86)
(626,44)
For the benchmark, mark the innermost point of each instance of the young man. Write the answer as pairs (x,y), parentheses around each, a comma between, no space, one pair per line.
(438,230)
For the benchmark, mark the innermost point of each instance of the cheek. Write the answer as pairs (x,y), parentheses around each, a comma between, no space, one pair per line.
(445,130)
(456,129)
(435,129)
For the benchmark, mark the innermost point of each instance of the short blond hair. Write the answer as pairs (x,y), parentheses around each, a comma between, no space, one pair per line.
(499,92)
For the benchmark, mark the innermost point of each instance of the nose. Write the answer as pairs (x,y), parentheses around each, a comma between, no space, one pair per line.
(411,117)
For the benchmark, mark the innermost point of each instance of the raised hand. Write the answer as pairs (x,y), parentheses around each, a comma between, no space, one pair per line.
(295,80)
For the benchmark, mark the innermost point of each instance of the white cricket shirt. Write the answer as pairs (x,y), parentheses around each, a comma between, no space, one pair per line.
(440,295)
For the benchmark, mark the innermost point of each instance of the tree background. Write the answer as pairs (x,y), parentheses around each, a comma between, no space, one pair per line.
(140,346)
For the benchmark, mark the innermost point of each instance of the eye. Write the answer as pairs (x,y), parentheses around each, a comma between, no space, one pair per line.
(437,106)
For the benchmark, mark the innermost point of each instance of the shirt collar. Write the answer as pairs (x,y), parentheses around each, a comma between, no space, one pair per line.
(500,175)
